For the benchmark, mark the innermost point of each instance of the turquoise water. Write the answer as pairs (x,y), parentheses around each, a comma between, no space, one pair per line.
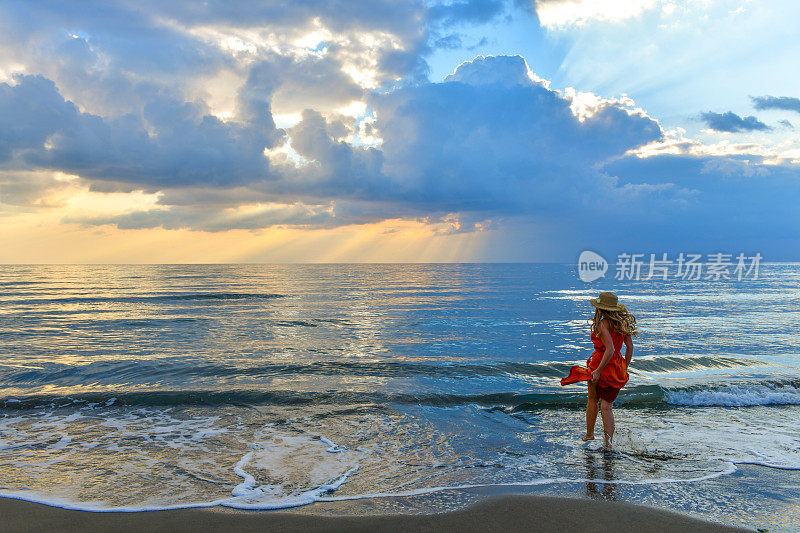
(263,386)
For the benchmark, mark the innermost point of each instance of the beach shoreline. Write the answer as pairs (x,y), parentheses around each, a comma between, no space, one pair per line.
(496,513)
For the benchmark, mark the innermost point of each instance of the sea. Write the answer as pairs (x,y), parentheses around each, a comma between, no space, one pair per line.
(141,387)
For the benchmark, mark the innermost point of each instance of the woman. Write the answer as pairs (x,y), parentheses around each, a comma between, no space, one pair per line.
(607,370)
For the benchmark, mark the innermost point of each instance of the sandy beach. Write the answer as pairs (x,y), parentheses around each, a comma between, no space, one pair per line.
(506,513)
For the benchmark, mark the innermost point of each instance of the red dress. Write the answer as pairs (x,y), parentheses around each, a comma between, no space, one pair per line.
(614,375)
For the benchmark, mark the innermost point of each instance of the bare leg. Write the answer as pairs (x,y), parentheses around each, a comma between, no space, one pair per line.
(591,412)
(608,421)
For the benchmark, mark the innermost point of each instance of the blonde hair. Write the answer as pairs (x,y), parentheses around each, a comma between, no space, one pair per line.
(620,321)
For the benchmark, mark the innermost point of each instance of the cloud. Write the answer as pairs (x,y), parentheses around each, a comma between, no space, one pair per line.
(737,201)
(36,188)
(731,122)
(560,13)
(171,143)
(492,147)
(451,40)
(110,59)
(732,167)
(787,103)
(491,140)
(202,219)
(503,70)
(296,83)
(335,168)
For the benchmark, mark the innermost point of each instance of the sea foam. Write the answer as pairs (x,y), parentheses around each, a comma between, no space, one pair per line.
(735,396)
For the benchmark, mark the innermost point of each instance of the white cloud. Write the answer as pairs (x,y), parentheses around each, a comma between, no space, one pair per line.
(675,142)
(560,13)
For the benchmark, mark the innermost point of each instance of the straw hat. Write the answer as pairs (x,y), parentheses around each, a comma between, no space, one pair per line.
(607,301)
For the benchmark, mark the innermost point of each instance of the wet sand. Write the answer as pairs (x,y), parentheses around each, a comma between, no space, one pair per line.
(501,513)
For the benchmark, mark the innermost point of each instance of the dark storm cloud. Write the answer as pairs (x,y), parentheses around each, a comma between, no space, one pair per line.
(731,122)
(203,219)
(787,103)
(489,138)
(488,142)
(110,48)
(675,203)
(171,143)
(736,203)
(214,217)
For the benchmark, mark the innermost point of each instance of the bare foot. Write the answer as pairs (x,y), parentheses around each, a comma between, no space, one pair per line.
(587,438)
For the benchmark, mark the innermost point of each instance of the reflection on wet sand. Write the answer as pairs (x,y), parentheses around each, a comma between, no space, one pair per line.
(600,463)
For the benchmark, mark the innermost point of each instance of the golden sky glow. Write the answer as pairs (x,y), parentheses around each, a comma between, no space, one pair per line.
(42,233)
(38,237)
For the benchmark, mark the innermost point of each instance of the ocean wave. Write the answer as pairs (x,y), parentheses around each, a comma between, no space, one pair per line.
(279,397)
(735,396)
(145,371)
(637,396)
(640,396)
(684,363)
(19,283)
(110,371)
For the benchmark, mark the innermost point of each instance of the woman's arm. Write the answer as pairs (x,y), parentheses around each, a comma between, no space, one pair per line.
(628,349)
(608,342)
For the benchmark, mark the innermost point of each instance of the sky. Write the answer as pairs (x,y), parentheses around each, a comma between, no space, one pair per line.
(397,130)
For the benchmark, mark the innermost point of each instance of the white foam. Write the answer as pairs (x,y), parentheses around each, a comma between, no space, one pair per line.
(249,483)
(729,468)
(304,498)
(723,436)
(292,458)
(332,448)
(288,465)
(298,461)
(317,494)
(735,396)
